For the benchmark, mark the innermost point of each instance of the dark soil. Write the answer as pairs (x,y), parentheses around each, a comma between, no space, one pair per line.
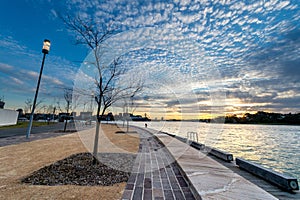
(79,170)
(67,131)
(123,132)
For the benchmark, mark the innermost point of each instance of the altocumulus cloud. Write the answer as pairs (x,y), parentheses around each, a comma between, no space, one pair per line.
(249,49)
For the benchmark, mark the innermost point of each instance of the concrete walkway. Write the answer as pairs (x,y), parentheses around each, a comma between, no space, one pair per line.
(208,177)
(155,175)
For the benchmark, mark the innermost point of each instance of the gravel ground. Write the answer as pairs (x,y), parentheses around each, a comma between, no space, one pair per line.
(24,158)
(78,169)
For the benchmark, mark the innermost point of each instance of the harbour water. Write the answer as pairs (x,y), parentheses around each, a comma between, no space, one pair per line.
(273,146)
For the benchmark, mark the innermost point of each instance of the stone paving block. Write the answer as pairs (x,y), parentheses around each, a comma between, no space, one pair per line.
(140,180)
(147,183)
(156,184)
(127,195)
(147,194)
(178,194)
(170,172)
(129,186)
(166,184)
(163,173)
(138,193)
(132,178)
(168,194)
(148,174)
(155,173)
(176,172)
(157,192)
(175,185)
(185,189)
(189,196)
(181,181)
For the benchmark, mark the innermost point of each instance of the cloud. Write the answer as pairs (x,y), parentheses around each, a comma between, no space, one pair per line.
(8,42)
(247,49)
(5,68)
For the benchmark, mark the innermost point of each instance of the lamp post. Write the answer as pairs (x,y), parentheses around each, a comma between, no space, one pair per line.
(45,50)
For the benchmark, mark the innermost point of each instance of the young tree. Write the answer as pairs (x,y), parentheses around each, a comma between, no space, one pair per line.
(68,98)
(71,104)
(28,105)
(107,91)
(58,106)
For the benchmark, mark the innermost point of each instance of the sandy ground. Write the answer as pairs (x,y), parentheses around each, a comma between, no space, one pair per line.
(17,161)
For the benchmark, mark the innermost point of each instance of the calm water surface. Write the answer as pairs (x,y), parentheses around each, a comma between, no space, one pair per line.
(275,147)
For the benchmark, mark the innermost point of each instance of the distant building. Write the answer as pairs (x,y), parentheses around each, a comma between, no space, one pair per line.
(2,103)
(73,114)
(63,116)
(85,115)
(7,117)
(20,111)
(139,118)
(108,117)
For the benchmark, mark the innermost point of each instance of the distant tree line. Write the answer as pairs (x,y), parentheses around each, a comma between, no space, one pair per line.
(262,117)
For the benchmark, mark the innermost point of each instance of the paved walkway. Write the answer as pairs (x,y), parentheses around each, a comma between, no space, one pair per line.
(10,131)
(155,175)
(209,178)
(13,136)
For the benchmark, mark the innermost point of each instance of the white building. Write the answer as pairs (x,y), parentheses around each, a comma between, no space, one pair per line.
(8,117)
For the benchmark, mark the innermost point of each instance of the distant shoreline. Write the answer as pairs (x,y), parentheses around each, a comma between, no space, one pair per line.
(259,118)
(200,121)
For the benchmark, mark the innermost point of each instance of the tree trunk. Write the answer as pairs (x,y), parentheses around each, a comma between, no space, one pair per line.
(65,127)
(96,140)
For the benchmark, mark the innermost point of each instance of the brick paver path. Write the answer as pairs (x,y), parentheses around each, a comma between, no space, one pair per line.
(154,174)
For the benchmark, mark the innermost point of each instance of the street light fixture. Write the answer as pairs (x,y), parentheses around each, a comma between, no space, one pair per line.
(45,50)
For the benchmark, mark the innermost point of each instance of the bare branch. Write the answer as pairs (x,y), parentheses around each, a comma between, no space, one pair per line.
(106,81)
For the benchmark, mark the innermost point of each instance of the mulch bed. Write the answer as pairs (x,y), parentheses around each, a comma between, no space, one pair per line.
(67,131)
(79,170)
(125,132)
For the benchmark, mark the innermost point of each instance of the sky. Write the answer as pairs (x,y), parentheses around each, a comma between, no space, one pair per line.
(197,58)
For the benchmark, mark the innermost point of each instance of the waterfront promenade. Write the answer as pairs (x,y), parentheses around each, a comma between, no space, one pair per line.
(207,178)
(210,179)
(155,175)
(213,178)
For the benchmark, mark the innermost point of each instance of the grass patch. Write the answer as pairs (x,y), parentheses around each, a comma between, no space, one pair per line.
(25,125)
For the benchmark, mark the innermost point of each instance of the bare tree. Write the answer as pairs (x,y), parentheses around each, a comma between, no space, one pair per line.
(68,98)
(28,105)
(107,91)
(58,106)
(71,104)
